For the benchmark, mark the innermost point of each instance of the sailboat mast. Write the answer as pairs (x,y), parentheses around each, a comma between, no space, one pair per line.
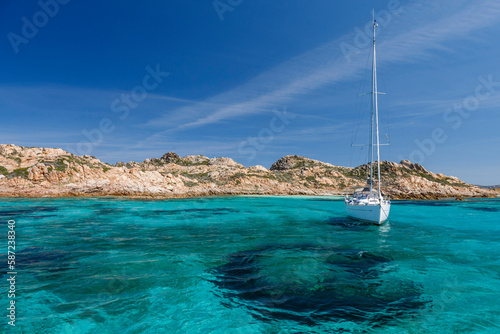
(371,207)
(374,102)
(375,105)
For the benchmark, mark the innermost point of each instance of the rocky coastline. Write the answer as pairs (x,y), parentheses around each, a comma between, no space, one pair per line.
(53,172)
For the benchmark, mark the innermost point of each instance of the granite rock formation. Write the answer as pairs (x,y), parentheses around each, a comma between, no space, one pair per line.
(48,172)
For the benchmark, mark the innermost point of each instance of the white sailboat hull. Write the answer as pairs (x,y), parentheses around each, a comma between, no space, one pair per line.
(374,213)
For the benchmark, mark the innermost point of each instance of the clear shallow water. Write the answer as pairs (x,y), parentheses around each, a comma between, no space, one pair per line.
(252,265)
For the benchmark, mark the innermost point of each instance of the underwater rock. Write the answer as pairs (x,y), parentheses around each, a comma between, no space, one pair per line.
(310,284)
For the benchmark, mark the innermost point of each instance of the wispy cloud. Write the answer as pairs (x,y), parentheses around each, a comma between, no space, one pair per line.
(411,37)
(438,107)
(326,65)
(59,98)
(57,115)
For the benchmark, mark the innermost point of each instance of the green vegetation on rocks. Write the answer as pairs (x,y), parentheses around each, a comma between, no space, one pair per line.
(195,175)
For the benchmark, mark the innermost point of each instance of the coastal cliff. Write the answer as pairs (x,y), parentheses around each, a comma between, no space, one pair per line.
(50,172)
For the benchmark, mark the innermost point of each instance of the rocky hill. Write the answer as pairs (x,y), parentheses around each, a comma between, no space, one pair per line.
(37,172)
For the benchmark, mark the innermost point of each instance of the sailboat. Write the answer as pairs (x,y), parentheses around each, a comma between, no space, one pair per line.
(367,203)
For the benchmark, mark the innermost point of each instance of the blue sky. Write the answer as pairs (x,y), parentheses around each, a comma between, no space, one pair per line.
(254,80)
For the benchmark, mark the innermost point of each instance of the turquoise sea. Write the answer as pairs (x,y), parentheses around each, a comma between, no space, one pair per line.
(251,265)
